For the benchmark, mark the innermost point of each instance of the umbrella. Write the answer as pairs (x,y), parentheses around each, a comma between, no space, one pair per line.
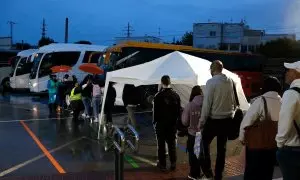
(91,68)
(61,68)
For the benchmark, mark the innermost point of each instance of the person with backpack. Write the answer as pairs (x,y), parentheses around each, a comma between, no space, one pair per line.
(288,135)
(190,118)
(258,130)
(166,111)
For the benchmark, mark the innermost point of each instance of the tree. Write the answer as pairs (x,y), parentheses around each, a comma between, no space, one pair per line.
(45,41)
(83,42)
(281,48)
(187,39)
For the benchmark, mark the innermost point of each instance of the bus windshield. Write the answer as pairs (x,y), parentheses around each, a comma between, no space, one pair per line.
(14,62)
(24,66)
(56,59)
(35,66)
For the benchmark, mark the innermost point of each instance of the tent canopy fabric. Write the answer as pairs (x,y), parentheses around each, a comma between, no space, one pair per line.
(184,70)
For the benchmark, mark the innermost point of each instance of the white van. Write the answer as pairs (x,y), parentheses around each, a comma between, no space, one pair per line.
(19,78)
(61,54)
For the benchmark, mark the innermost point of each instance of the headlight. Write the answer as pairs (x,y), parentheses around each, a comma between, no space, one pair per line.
(34,84)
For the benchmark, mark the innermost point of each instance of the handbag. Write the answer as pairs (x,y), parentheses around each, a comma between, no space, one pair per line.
(261,135)
(234,128)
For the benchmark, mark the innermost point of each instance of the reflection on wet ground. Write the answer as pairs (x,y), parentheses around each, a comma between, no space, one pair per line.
(58,144)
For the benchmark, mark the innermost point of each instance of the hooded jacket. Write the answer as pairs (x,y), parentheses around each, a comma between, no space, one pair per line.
(191,114)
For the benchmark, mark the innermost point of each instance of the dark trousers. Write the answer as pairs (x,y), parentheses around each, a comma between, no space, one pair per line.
(52,109)
(214,128)
(166,135)
(77,106)
(289,162)
(108,112)
(259,164)
(195,170)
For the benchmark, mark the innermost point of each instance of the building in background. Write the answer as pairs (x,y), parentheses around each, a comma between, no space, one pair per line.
(237,37)
(146,38)
(5,43)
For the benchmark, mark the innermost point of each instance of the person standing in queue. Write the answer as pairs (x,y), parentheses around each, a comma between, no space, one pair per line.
(52,92)
(216,116)
(130,99)
(190,118)
(110,102)
(288,135)
(76,102)
(166,113)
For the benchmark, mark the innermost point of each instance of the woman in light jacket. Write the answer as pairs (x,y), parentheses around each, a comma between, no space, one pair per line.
(259,162)
(190,117)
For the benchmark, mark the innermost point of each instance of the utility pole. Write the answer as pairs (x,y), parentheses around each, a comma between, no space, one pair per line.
(66,30)
(128,30)
(11,23)
(158,31)
(44,29)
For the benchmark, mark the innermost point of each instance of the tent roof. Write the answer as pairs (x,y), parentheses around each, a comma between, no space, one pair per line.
(181,67)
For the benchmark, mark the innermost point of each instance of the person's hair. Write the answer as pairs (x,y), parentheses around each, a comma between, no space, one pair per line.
(165,80)
(271,84)
(217,66)
(196,91)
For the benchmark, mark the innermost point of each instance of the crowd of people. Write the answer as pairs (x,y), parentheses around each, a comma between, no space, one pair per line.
(269,129)
(275,121)
(86,96)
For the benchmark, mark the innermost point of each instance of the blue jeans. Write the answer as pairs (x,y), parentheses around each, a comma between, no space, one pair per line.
(96,105)
(87,105)
(289,162)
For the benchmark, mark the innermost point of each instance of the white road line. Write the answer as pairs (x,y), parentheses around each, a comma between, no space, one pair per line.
(43,119)
(143,160)
(16,167)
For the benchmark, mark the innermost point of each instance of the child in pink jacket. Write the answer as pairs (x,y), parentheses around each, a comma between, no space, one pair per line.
(190,117)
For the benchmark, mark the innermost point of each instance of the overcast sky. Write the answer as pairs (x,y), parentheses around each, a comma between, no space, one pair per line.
(99,21)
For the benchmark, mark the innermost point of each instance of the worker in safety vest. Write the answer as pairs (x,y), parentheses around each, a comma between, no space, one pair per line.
(76,102)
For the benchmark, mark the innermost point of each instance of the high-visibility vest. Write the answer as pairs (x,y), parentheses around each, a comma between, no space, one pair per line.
(75,97)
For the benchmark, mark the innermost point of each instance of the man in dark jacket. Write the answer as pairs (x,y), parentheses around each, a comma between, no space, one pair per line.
(110,101)
(166,113)
(130,99)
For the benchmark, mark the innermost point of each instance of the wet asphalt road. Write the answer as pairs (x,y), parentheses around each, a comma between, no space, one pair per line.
(24,121)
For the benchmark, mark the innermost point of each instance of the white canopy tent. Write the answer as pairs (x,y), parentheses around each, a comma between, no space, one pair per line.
(184,70)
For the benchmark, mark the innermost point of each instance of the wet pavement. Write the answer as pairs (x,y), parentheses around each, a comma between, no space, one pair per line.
(33,145)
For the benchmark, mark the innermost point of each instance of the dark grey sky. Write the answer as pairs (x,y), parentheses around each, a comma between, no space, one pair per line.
(100,21)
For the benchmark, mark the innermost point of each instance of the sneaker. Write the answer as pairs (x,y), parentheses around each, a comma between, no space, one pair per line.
(83,115)
(173,167)
(161,168)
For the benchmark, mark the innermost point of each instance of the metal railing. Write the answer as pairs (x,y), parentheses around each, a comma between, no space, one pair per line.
(116,139)
(134,146)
